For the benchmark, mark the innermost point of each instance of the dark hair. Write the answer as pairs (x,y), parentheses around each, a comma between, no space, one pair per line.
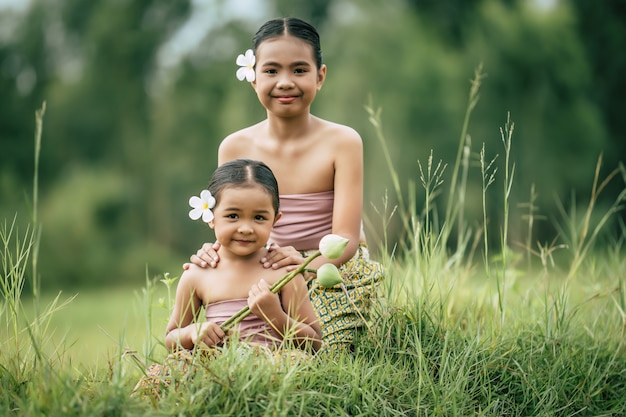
(290,26)
(244,173)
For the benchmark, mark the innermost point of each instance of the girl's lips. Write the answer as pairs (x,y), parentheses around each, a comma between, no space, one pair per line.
(243,242)
(286,100)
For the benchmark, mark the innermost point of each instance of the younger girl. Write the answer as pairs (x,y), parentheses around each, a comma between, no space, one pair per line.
(246,206)
(319,167)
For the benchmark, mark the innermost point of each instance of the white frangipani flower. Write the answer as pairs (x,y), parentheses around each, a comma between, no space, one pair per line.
(201,206)
(246,63)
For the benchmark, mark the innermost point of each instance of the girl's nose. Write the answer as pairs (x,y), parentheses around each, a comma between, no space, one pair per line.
(244,227)
(285,80)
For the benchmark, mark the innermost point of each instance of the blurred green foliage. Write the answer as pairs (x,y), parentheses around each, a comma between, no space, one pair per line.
(127,139)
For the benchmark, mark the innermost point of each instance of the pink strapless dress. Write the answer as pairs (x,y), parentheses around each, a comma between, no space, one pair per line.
(251,329)
(306,219)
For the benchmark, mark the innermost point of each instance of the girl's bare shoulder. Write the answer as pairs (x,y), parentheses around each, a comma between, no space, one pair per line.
(273,275)
(338,131)
(193,275)
(237,143)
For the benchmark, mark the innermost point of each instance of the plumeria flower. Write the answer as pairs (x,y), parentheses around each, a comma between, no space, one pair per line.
(202,206)
(246,62)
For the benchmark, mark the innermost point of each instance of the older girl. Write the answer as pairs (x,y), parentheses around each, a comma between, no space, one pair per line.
(319,167)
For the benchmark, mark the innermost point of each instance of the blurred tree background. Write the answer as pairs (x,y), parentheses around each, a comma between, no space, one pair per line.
(140,93)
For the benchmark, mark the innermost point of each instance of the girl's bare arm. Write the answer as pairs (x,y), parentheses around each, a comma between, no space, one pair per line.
(182,330)
(291,315)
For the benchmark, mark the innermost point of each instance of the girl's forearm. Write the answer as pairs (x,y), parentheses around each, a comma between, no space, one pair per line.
(306,335)
(179,338)
(300,333)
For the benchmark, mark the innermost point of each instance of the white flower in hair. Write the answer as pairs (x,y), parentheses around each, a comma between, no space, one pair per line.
(202,206)
(246,62)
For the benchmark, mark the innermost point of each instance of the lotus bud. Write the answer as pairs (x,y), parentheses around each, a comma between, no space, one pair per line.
(328,275)
(333,246)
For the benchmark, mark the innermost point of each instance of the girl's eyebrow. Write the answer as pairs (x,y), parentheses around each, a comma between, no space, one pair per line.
(231,209)
(293,64)
(300,63)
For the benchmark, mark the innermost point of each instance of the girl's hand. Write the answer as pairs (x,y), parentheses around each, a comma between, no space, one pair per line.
(264,303)
(206,256)
(209,333)
(278,257)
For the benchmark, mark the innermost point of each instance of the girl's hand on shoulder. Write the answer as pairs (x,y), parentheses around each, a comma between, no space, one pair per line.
(206,256)
(279,257)
(209,333)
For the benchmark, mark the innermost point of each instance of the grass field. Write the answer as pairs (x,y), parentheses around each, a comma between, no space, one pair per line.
(97,323)
(444,346)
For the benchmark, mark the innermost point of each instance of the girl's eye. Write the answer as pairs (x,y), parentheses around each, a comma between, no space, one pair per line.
(231,216)
(270,71)
(299,71)
(259,218)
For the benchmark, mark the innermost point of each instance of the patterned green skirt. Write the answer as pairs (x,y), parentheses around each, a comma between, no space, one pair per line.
(343,309)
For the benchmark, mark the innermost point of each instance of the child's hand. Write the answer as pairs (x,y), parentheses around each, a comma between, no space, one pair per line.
(206,256)
(209,333)
(278,257)
(264,303)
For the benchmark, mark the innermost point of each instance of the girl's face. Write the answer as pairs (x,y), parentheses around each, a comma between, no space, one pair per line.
(287,78)
(244,218)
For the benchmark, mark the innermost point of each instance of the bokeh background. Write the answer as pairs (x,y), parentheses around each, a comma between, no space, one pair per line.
(139,93)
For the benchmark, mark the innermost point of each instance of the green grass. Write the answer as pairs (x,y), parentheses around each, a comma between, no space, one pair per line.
(473,328)
(90,327)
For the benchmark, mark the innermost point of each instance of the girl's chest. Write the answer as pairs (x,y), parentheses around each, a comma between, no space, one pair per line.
(302,172)
(234,284)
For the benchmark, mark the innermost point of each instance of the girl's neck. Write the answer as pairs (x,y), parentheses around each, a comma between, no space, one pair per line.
(253,258)
(288,128)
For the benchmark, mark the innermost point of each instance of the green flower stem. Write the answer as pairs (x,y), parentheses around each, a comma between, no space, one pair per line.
(241,314)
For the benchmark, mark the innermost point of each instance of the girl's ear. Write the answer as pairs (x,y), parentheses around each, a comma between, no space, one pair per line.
(211,224)
(278,216)
(321,76)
